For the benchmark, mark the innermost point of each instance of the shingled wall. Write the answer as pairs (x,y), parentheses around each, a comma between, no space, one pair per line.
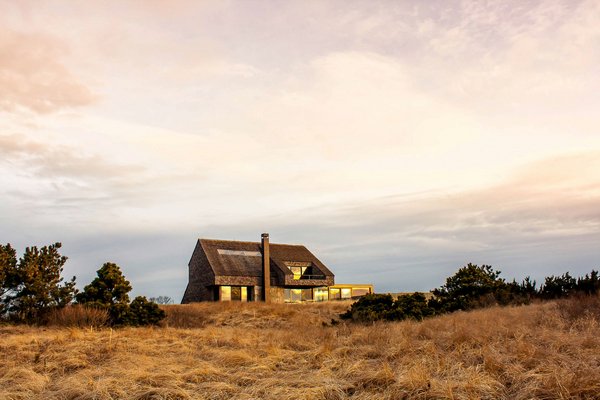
(201,276)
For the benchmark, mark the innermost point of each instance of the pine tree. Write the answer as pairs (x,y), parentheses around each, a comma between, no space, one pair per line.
(109,291)
(37,286)
(8,268)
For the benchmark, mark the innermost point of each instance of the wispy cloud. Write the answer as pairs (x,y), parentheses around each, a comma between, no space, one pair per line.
(58,161)
(33,77)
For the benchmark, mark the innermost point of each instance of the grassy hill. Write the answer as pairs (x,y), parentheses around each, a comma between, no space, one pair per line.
(258,351)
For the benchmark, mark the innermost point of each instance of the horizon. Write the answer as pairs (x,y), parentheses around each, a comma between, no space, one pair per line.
(396,141)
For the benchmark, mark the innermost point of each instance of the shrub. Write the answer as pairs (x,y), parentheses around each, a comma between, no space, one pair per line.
(590,284)
(556,287)
(373,307)
(144,312)
(370,307)
(470,287)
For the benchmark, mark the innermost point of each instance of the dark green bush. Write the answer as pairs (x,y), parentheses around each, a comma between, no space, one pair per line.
(556,287)
(373,307)
(144,312)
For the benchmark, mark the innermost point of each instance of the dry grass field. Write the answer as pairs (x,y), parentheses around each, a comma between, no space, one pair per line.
(258,351)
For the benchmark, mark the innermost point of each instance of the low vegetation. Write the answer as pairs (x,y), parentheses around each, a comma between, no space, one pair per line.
(471,287)
(544,350)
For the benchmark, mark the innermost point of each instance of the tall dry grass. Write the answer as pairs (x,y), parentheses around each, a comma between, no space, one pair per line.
(78,316)
(257,351)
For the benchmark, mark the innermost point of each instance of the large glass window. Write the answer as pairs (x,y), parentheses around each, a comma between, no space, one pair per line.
(346,293)
(298,272)
(225,293)
(360,291)
(334,294)
(234,293)
(321,294)
(297,295)
(307,295)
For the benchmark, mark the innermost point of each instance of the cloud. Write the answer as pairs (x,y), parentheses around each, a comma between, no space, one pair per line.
(33,77)
(53,161)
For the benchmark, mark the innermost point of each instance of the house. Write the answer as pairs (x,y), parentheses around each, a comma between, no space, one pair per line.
(224,270)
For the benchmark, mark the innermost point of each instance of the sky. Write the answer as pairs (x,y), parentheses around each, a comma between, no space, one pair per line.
(397,140)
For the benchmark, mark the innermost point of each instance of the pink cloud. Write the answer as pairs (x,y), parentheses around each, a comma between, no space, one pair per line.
(32,76)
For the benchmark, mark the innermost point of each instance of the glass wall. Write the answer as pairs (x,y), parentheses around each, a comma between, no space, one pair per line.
(297,295)
(334,294)
(321,293)
(346,293)
(360,291)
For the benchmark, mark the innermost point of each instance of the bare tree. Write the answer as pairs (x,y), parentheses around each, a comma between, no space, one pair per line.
(162,300)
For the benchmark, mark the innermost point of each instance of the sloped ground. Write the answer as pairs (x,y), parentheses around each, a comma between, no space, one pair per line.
(257,351)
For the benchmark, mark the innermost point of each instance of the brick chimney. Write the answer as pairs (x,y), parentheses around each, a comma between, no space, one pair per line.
(266,262)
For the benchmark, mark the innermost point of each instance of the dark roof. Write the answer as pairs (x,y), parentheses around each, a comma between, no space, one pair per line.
(228,263)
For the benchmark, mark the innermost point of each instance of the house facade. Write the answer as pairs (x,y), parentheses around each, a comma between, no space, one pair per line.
(224,270)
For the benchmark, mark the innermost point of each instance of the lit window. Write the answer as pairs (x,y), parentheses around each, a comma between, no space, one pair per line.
(346,293)
(300,269)
(225,293)
(298,272)
(334,294)
(321,294)
(234,293)
(360,291)
(307,295)
(296,295)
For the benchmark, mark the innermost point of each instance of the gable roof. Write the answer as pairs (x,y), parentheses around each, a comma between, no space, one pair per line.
(235,258)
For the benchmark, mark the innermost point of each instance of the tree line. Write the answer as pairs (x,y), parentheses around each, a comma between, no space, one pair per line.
(471,287)
(32,287)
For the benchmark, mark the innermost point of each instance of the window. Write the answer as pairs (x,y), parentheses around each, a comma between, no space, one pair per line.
(234,293)
(298,272)
(360,291)
(307,295)
(321,294)
(297,295)
(225,293)
(334,294)
(300,269)
(346,293)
